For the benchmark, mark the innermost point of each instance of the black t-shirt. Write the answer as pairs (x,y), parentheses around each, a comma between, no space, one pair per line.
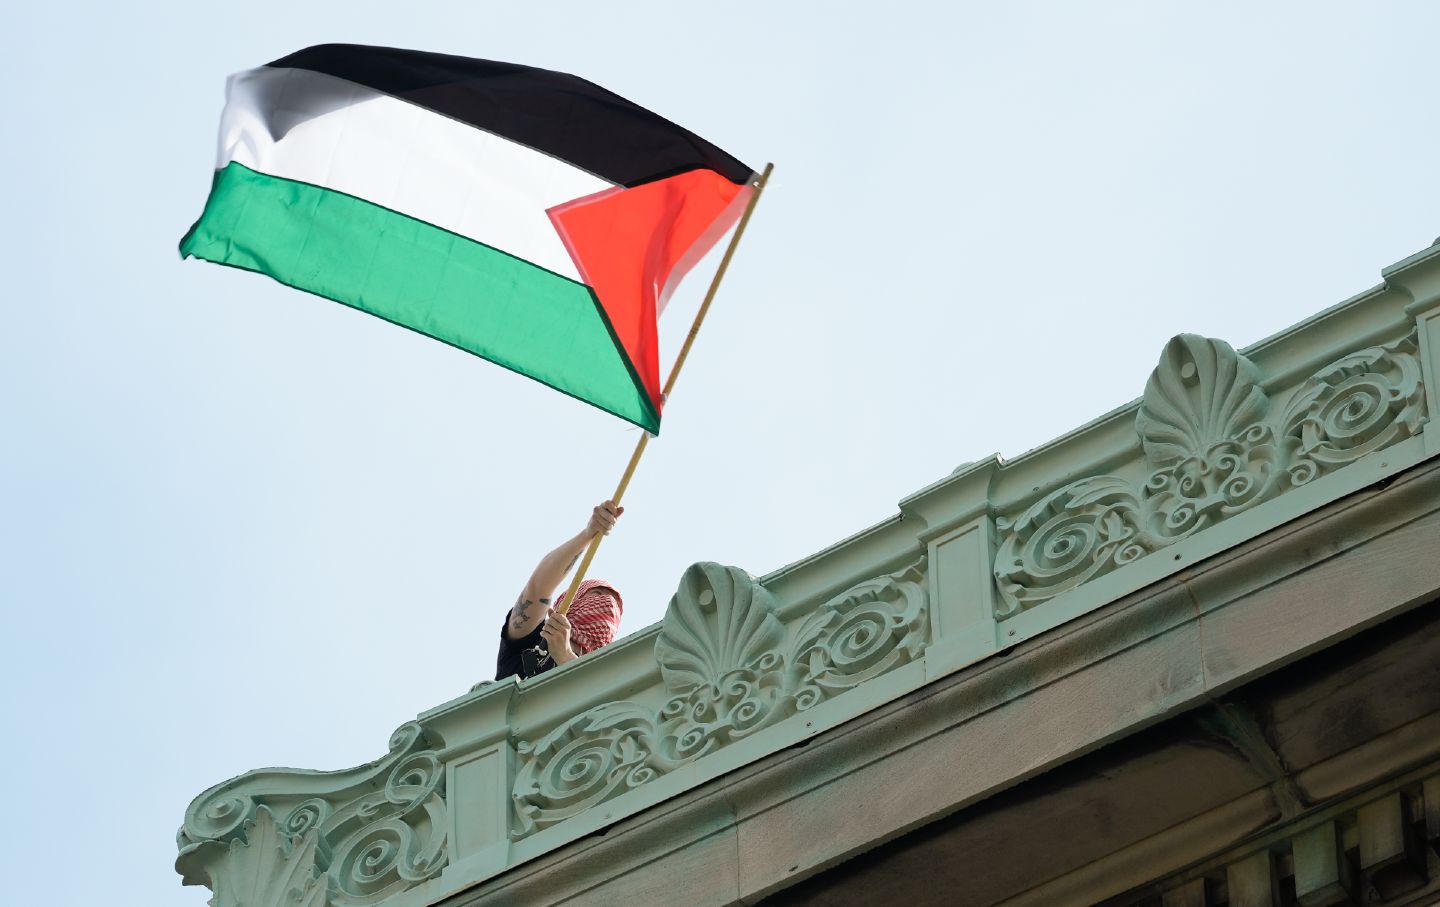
(521,656)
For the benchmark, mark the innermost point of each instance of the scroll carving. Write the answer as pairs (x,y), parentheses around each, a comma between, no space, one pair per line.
(869,630)
(264,866)
(728,673)
(359,835)
(1215,448)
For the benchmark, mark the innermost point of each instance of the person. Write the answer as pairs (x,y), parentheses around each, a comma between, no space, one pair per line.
(536,637)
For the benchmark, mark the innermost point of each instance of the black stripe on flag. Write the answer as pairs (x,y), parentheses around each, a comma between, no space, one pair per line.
(559,114)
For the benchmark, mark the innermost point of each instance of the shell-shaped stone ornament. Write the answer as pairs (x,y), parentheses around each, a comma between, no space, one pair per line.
(1213,451)
(719,621)
(1201,393)
(727,674)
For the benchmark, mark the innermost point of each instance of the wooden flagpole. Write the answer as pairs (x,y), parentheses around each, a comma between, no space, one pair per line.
(670,382)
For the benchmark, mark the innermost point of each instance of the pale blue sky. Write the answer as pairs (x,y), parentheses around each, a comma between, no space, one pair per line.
(241,526)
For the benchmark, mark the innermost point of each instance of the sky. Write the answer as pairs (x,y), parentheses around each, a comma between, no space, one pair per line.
(241,526)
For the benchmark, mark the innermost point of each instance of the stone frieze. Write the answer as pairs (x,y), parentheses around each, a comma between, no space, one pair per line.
(1215,446)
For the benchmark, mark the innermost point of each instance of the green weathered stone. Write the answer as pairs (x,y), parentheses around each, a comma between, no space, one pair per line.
(1222,447)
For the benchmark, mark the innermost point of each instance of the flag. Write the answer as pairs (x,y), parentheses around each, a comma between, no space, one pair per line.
(526,216)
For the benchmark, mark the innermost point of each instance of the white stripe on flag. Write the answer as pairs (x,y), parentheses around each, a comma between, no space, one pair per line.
(330,132)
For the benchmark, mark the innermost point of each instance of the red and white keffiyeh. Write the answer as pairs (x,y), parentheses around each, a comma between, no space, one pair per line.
(595,616)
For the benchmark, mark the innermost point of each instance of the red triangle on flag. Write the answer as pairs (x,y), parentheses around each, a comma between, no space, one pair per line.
(633,245)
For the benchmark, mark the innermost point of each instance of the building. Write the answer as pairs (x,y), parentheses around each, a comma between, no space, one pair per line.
(1187,654)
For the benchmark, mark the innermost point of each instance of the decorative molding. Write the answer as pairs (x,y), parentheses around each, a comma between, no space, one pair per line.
(740,669)
(366,833)
(264,866)
(728,672)
(1213,451)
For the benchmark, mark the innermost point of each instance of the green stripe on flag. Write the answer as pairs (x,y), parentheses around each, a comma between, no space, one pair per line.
(422,277)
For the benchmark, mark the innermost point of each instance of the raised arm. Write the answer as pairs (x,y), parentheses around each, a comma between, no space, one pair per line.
(538,595)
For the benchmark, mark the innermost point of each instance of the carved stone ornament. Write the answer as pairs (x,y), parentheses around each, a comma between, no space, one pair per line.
(265,867)
(728,673)
(1214,450)
(345,838)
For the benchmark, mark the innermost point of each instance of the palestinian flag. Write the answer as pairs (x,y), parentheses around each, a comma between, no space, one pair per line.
(526,216)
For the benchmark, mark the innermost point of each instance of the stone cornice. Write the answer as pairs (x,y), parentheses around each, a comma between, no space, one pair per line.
(1223,447)
(1000,722)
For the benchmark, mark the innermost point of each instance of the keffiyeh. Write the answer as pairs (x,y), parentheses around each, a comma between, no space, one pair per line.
(595,616)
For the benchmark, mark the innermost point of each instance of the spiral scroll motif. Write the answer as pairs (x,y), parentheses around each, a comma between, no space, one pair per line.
(388,854)
(1225,479)
(588,759)
(264,866)
(310,814)
(1214,451)
(864,632)
(391,839)
(218,817)
(726,676)
(1358,405)
(1067,538)
(370,832)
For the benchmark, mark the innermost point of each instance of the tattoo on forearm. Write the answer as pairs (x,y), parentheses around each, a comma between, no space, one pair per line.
(521,612)
(573,560)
